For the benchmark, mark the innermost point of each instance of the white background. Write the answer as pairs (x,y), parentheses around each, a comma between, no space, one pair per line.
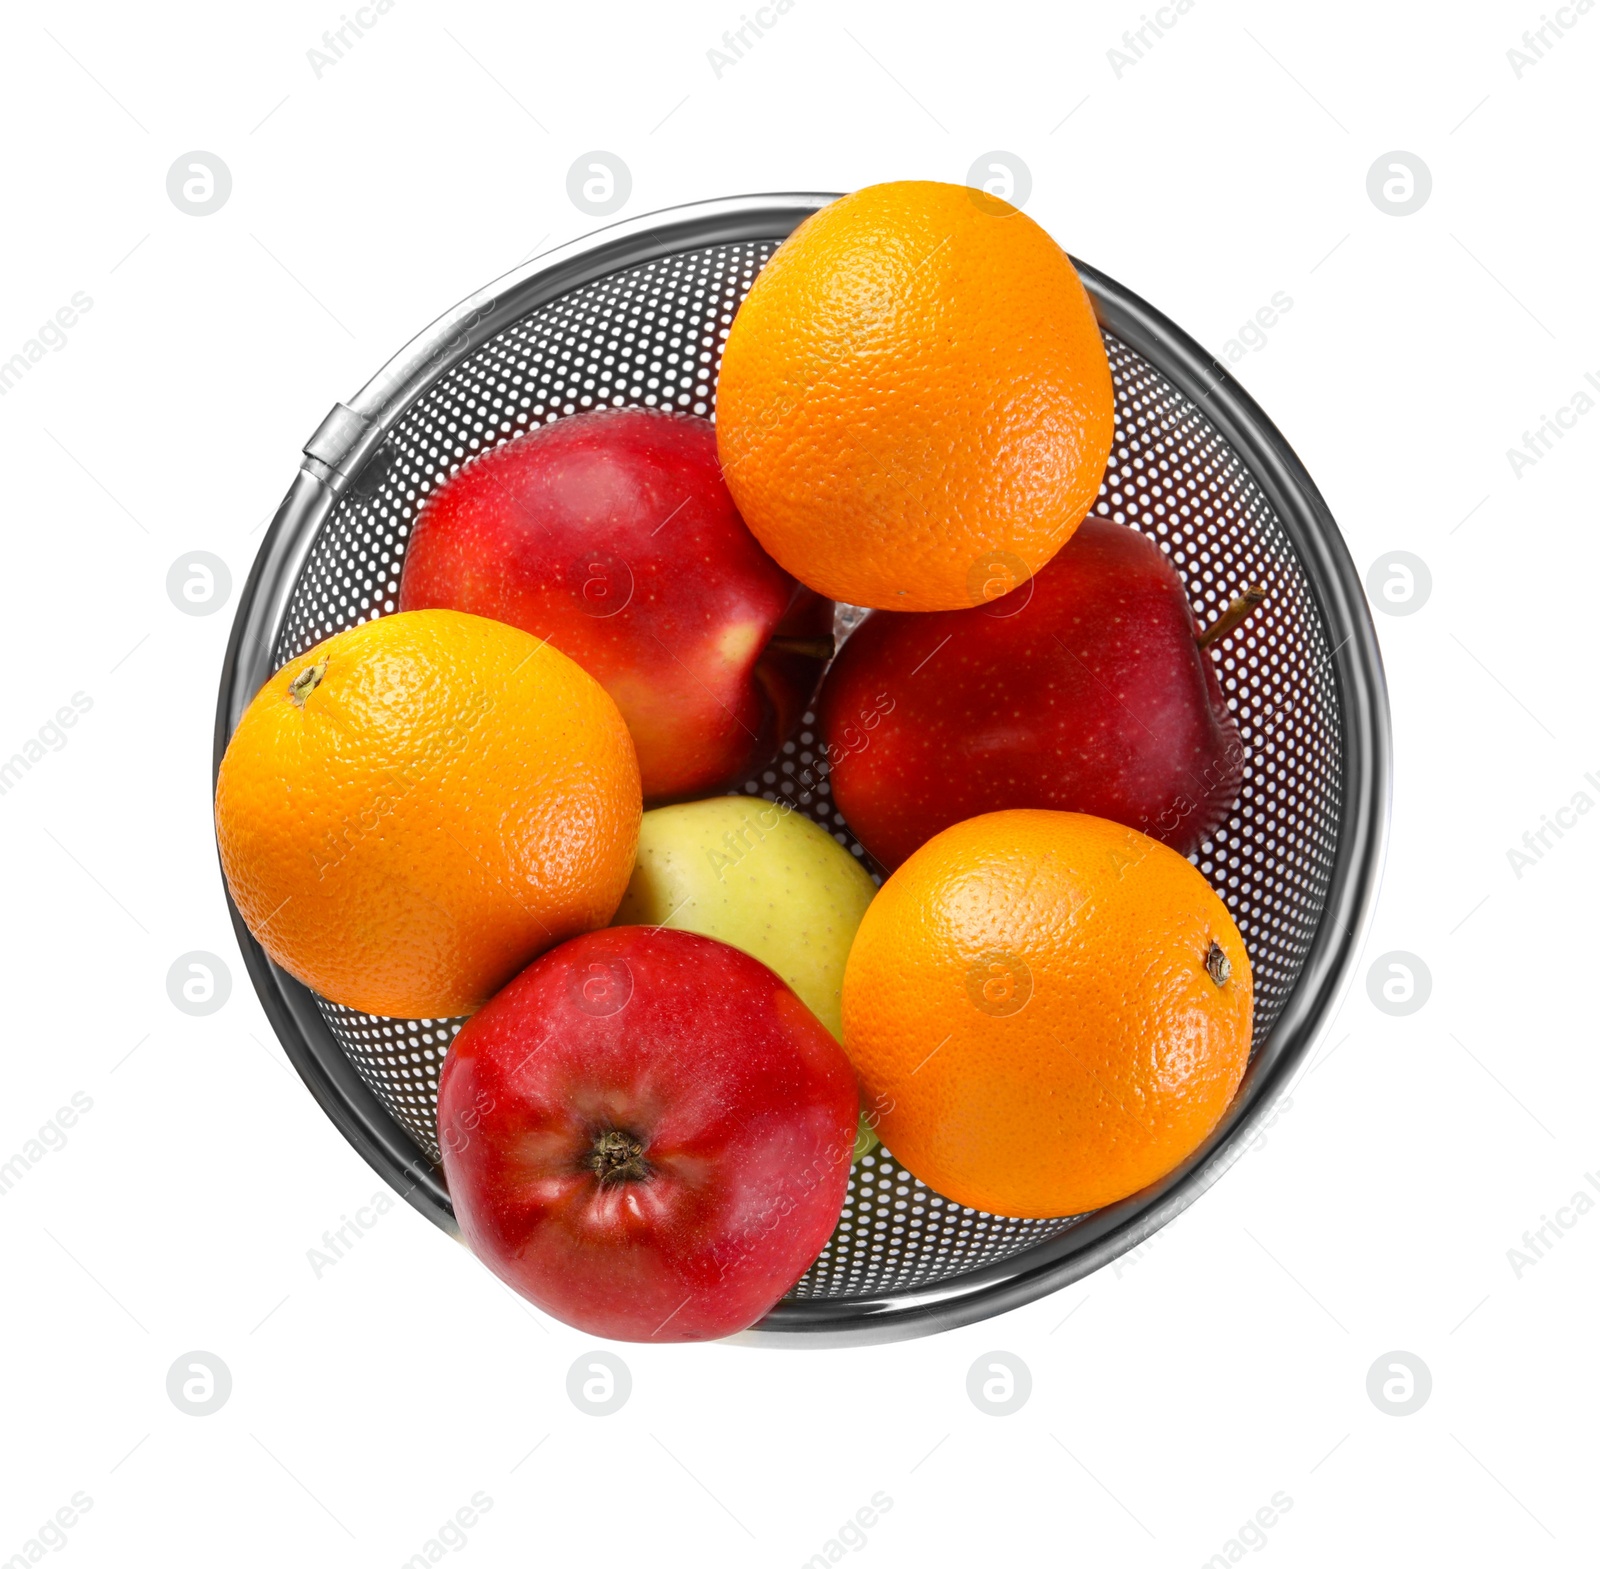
(1174,1394)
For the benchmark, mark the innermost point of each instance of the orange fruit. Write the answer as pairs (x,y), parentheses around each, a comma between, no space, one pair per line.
(915,408)
(414,809)
(1055,1008)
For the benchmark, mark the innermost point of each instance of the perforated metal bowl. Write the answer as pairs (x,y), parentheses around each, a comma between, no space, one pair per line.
(637,315)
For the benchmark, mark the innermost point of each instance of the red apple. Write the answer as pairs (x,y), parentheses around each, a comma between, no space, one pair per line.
(1084,690)
(612,535)
(647,1134)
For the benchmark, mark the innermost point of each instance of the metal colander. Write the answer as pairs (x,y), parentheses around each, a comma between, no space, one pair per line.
(637,315)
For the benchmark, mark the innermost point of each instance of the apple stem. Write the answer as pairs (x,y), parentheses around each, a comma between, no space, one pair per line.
(617,1157)
(811,647)
(1238,612)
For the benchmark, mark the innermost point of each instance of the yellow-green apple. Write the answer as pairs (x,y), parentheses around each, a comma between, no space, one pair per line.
(611,535)
(765,878)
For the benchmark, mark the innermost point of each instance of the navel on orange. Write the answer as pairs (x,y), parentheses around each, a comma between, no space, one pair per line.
(1056,1008)
(914,401)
